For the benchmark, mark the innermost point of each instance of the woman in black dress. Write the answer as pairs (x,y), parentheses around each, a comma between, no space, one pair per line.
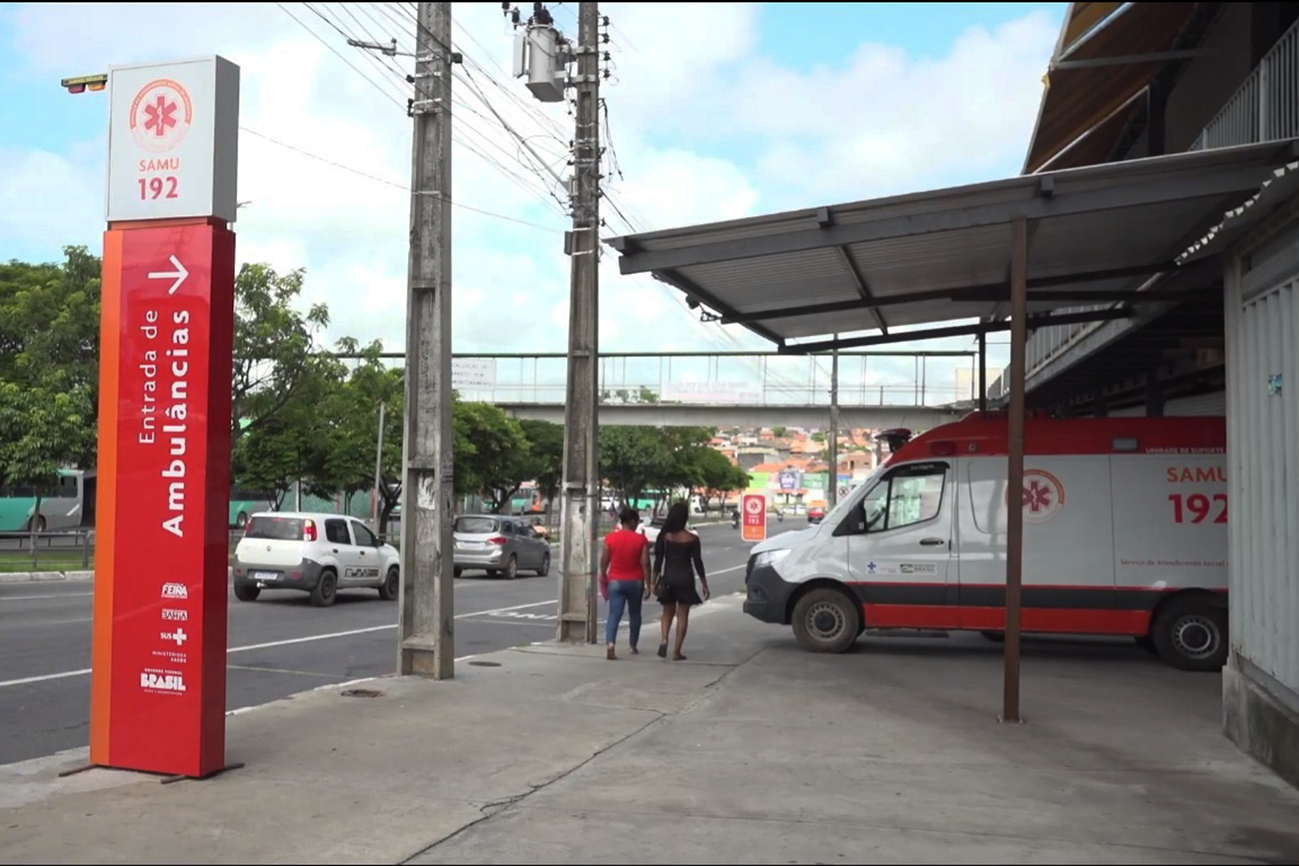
(677,560)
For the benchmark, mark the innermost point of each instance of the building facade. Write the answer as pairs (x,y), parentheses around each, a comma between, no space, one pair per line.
(1135,80)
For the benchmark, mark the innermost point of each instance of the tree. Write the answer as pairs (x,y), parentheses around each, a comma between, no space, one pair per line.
(686,447)
(49,370)
(373,384)
(348,406)
(275,349)
(497,457)
(545,461)
(301,440)
(779,432)
(632,459)
(718,476)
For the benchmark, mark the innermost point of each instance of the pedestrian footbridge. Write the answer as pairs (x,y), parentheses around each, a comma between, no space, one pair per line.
(869,390)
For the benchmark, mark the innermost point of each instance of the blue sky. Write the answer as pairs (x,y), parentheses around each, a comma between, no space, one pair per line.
(716,110)
(812,32)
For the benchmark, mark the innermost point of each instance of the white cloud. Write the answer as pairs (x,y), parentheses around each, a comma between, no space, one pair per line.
(704,128)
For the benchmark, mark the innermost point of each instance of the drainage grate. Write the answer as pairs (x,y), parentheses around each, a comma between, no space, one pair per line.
(486,664)
(361,693)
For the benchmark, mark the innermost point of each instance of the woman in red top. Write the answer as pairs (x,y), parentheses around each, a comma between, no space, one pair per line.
(624,578)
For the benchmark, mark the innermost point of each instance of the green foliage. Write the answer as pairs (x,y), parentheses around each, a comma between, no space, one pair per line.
(545,462)
(49,371)
(718,476)
(632,459)
(496,461)
(299,414)
(275,351)
(636,459)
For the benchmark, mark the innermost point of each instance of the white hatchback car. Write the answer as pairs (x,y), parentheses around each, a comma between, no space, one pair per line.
(315,553)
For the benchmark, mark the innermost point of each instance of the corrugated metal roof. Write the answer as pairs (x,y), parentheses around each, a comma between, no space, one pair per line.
(944,255)
(1100,69)
(1274,191)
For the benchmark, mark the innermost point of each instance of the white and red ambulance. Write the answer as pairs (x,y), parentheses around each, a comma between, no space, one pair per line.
(1125,533)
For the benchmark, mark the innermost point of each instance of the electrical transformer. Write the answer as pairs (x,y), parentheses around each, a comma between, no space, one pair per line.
(541,54)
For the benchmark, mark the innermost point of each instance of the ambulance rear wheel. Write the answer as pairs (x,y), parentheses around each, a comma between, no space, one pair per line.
(826,621)
(1191,634)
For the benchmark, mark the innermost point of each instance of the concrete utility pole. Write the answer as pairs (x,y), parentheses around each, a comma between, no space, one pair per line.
(581,493)
(427,638)
(832,497)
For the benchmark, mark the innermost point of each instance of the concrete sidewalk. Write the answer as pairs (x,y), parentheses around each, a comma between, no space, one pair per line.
(750,752)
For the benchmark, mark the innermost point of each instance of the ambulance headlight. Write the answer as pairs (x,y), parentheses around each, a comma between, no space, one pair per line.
(770,558)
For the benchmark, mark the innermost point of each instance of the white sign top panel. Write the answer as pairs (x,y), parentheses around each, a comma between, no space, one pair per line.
(173,140)
(473,372)
(714,393)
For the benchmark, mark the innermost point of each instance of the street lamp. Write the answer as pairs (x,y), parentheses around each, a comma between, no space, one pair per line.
(82,83)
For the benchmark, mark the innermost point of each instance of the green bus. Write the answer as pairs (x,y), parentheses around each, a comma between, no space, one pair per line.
(245,502)
(69,503)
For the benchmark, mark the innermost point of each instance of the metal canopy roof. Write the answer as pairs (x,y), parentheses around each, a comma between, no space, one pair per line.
(1096,235)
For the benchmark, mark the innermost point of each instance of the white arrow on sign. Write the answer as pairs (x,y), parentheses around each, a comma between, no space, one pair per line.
(178,275)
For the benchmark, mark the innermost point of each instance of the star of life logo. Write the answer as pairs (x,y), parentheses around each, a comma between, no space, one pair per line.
(161,115)
(1043,496)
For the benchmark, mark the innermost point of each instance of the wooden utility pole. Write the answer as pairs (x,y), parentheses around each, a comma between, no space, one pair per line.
(427,637)
(1015,467)
(832,494)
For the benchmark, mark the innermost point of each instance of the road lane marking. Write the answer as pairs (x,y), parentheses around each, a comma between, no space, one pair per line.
(270,644)
(300,640)
(50,595)
(507,609)
(38,623)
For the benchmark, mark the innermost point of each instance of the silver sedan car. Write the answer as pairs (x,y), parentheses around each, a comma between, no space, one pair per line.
(499,545)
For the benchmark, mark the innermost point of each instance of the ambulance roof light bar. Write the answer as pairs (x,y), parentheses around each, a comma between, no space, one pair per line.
(896,438)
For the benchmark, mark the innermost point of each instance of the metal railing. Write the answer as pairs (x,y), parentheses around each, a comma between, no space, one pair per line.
(1264,108)
(757,379)
(56,550)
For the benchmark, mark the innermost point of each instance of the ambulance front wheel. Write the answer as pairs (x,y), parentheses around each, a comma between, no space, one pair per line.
(826,621)
(1191,633)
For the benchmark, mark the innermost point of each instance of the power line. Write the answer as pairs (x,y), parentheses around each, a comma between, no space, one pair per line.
(343,31)
(337,54)
(392,183)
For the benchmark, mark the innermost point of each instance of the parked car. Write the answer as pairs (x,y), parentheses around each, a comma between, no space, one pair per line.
(314,553)
(815,514)
(499,545)
(651,530)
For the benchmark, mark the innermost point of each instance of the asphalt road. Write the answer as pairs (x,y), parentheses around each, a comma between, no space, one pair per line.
(279,645)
